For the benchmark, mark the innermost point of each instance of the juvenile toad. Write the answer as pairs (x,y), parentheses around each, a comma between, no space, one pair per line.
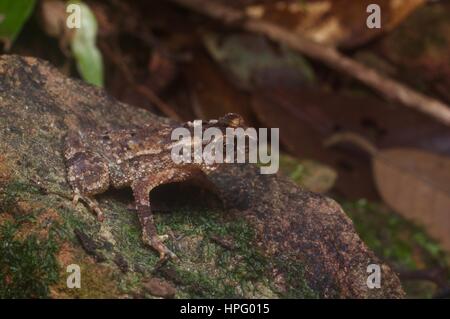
(138,158)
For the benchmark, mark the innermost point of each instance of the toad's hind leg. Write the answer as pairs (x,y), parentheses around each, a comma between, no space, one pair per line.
(141,193)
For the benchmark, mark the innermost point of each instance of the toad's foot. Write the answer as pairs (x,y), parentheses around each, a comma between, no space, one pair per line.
(91,203)
(156,242)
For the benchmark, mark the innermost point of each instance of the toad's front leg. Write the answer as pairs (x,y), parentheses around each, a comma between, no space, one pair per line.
(87,172)
(91,202)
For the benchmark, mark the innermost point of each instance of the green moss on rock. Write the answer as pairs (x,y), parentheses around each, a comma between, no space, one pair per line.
(27,267)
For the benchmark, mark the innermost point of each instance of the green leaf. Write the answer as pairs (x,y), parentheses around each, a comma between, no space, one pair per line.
(13,15)
(87,55)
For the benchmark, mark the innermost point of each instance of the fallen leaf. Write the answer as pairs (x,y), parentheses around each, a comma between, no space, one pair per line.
(413,182)
(333,22)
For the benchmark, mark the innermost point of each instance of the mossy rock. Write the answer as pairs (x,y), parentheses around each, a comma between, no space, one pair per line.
(269,239)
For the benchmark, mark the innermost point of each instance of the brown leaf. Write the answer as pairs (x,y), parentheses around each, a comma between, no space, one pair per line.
(333,22)
(415,183)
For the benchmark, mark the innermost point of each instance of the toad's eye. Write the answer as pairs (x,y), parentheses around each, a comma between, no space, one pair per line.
(106,138)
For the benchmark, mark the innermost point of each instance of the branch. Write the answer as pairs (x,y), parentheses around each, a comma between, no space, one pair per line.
(387,87)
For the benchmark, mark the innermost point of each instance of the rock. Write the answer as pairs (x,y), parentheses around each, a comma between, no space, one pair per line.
(302,241)
(160,288)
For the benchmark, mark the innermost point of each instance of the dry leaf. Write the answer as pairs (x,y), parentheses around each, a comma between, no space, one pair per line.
(334,22)
(414,183)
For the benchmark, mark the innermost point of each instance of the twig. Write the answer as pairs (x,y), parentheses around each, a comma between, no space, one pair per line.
(389,88)
(343,137)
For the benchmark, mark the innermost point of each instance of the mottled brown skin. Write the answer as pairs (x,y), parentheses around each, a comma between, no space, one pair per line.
(139,158)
